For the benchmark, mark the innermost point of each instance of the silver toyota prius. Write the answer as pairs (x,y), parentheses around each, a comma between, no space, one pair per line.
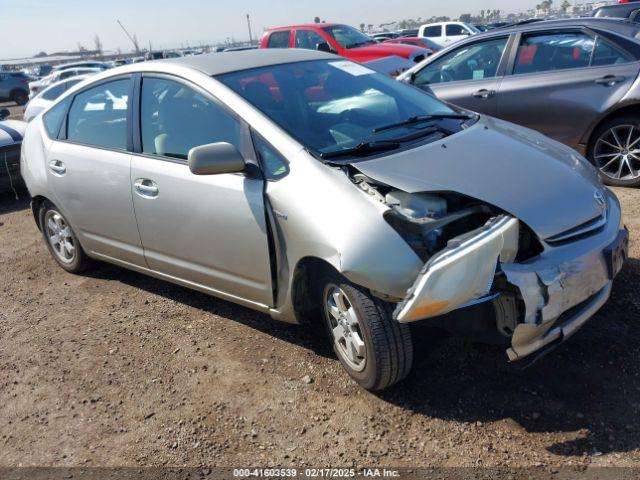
(311,188)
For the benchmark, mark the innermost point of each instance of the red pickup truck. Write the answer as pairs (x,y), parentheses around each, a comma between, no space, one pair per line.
(343,40)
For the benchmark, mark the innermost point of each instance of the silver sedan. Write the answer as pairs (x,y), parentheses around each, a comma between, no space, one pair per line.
(311,188)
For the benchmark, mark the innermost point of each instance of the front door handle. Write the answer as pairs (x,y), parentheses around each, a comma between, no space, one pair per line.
(146,188)
(57,167)
(610,80)
(484,93)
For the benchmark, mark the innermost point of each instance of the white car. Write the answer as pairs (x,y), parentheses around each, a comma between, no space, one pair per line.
(49,95)
(59,75)
(446,33)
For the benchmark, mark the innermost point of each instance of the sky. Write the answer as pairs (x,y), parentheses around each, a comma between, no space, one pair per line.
(30,26)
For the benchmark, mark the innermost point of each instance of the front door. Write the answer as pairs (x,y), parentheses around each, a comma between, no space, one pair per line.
(468,76)
(562,81)
(89,172)
(209,231)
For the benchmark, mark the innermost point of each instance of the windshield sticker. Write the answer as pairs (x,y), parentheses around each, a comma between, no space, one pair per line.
(352,68)
(478,74)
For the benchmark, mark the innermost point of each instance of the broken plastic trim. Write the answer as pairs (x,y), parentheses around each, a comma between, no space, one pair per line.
(463,272)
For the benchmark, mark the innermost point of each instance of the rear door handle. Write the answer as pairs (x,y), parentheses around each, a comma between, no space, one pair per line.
(57,167)
(146,188)
(484,93)
(610,80)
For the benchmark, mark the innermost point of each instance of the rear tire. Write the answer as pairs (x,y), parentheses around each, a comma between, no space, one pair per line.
(375,350)
(615,151)
(61,240)
(20,97)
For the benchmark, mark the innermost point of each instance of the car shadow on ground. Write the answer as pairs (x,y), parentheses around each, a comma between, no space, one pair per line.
(588,388)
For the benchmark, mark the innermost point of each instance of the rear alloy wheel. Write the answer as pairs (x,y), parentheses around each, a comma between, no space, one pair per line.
(374,349)
(616,152)
(61,240)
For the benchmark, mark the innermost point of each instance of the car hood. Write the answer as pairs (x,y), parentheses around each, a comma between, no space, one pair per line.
(545,184)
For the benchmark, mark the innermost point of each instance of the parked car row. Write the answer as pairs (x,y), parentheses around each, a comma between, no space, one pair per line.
(312,188)
(573,80)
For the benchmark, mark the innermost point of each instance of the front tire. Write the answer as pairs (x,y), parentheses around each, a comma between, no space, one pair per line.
(375,350)
(615,151)
(61,240)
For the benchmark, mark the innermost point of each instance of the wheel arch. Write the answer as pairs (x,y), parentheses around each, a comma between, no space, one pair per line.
(628,109)
(305,284)
(36,204)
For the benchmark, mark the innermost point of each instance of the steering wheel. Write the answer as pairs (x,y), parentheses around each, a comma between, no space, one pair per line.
(446,75)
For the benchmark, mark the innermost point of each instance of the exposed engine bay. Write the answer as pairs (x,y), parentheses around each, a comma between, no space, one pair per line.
(476,254)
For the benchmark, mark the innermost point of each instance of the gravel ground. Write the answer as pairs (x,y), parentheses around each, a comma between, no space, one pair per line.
(114,368)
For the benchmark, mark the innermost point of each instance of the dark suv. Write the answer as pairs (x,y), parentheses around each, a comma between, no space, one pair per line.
(574,80)
(14,86)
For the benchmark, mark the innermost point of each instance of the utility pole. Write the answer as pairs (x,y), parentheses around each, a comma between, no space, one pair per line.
(133,40)
(249,25)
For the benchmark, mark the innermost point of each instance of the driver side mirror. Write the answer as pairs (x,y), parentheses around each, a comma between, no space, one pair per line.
(4,113)
(215,158)
(324,47)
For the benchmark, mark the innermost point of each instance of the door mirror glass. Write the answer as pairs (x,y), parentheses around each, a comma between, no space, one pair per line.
(215,158)
(324,47)
(4,113)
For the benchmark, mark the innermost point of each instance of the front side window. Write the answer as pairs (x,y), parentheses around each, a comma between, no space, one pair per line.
(174,118)
(474,62)
(456,30)
(98,116)
(549,52)
(433,31)
(348,37)
(330,105)
(308,39)
(279,39)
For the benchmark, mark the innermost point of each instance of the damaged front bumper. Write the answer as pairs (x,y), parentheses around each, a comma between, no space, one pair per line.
(560,289)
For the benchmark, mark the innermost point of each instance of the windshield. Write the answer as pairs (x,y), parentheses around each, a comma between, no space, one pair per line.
(348,36)
(334,105)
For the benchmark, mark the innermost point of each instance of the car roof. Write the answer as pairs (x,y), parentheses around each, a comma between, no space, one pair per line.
(227,62)
(620,26)
(303,25)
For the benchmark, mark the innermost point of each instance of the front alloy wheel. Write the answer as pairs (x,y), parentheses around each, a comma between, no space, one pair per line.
(374,349)
(616,153)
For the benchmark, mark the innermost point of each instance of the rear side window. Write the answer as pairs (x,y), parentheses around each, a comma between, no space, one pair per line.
(606,53)
(435,31)
(53,118)
(54,92)
(279,39)
(554,51)
(98,116)
(175,118)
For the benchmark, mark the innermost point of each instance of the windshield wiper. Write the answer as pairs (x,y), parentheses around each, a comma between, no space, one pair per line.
(363,148)
(423,118)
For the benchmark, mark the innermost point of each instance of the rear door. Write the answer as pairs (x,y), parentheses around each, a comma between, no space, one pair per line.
(435,33)
(279,39)
(562,80)
(468,76)
(89,170)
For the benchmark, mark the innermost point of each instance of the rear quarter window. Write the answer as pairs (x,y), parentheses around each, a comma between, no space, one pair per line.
(52,119)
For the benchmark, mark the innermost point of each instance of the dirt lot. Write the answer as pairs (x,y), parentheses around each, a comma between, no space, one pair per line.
(114,368)
(16,110)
